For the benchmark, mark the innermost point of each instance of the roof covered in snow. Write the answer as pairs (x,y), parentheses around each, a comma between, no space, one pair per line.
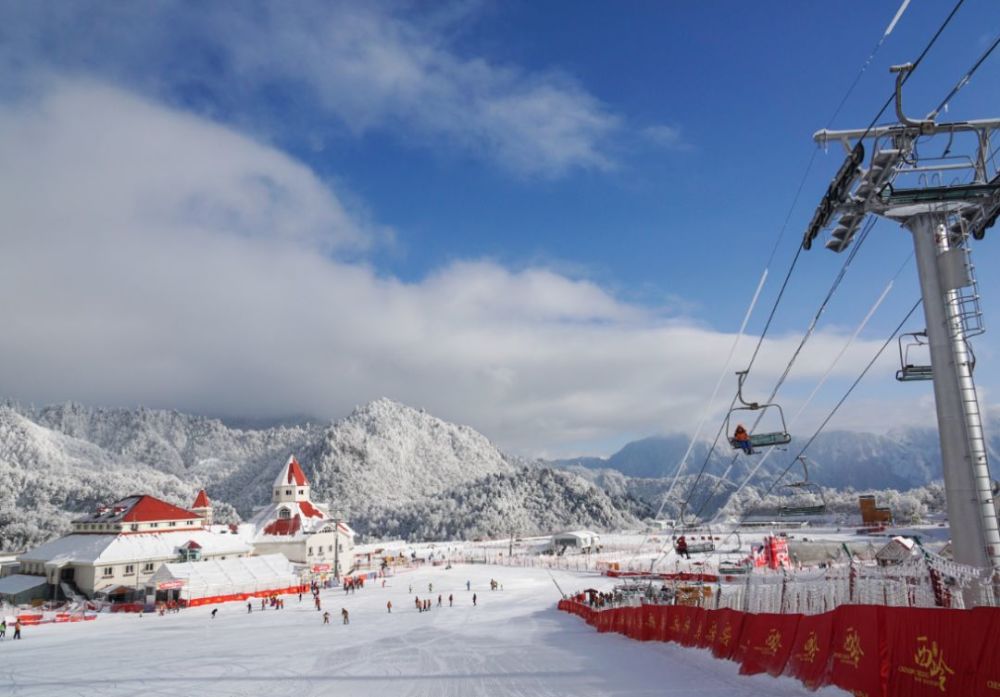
(18,583)
(99,549)
(291,473)
(303,518)
(227,576)
(138,509)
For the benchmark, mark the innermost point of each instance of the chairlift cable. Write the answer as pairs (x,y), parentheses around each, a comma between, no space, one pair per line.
(853,337)
(834,410)
(863,235)
(718,385)
(965,79)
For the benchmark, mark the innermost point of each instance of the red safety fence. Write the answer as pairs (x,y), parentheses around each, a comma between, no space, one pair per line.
(868,650)
(216,599)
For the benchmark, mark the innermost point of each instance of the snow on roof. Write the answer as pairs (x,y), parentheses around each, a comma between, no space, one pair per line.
(18,583)
(97,549)
(227,576)
(303,518)
(201,500)
(291,473)
(578,534)
(141,508)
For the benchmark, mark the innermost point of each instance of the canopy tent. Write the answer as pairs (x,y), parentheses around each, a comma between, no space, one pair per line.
(19,589)
(218,580)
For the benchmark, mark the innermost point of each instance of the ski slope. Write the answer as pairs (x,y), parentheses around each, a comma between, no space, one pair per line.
(513,644)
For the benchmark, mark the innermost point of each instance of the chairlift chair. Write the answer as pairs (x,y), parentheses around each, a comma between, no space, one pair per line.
(805,485)
(909,371)
(757,440)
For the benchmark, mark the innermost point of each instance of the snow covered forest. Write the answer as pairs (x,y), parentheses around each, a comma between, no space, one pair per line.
(393,471)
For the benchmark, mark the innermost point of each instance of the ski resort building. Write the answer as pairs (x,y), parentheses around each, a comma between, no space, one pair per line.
(577,540)
(304,531)
(117,549)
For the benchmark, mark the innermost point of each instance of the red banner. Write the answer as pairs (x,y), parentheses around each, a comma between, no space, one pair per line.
(870,651)
(810,654)
(765,643)
(858,663)
(988,672)
(730,623)
(928,656)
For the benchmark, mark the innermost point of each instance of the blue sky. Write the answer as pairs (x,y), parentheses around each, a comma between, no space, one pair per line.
(542,219)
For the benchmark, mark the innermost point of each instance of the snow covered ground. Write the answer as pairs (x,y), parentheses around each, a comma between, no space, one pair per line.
(513,643)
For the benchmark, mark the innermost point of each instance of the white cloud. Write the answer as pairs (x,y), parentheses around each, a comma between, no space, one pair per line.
(373,66)
(154,257)
(668,137)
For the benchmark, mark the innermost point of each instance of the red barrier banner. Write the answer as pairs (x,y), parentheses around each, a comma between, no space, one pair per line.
(682,624)
(697,626)
(765,643)
(933,651)
(858,663)
(648,619)
(663,617)
(810,654)
(987,680)
(730,623)
(705,619)
(605,621)
(870,651)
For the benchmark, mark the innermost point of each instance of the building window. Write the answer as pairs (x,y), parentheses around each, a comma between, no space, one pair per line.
(288,492)
(302,492)
(154,525)
(147,567)
(330,549)
(284,513)
(129,569)
(310,551)
(173,523)
(134,526)
(109,571)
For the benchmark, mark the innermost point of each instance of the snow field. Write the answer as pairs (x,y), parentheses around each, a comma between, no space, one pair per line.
(514,644)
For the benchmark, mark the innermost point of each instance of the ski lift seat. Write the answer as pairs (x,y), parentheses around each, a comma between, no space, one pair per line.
(763,440)
(912,373)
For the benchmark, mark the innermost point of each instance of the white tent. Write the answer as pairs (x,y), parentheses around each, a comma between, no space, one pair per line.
(221,578)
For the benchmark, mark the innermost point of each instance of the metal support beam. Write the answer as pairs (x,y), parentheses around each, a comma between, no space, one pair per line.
(972,517)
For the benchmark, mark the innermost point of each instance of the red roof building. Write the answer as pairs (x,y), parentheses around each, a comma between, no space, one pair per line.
(139,513)
(201,500)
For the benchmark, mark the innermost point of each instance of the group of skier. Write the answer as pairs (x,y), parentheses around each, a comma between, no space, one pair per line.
(3,628)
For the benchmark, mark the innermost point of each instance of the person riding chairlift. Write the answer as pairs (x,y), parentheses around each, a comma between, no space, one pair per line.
(741,439)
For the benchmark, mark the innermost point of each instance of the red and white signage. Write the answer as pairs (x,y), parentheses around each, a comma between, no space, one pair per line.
(170,585)
(320,568)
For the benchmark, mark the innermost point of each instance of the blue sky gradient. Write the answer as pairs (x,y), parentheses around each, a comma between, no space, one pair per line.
(646,153)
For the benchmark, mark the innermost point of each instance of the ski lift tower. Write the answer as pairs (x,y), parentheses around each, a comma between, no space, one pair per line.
(935,180)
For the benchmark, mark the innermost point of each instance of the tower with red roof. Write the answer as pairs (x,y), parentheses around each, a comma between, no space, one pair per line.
(203,507)
(304,531)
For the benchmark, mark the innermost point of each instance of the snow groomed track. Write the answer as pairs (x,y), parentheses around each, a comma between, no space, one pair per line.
(514,643)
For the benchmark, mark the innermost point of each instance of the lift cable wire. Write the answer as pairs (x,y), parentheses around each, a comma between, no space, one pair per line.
(810,330)
(718,385)
(916,64)
(871,125)
(828,417)
(826,375)
(965,79)
(853,337)
(798,192)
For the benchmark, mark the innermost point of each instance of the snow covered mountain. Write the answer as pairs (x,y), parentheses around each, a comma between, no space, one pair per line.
(385,462)
(900,459)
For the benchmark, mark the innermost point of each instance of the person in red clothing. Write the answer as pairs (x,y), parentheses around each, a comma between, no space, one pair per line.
(682,547)
(741,439)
